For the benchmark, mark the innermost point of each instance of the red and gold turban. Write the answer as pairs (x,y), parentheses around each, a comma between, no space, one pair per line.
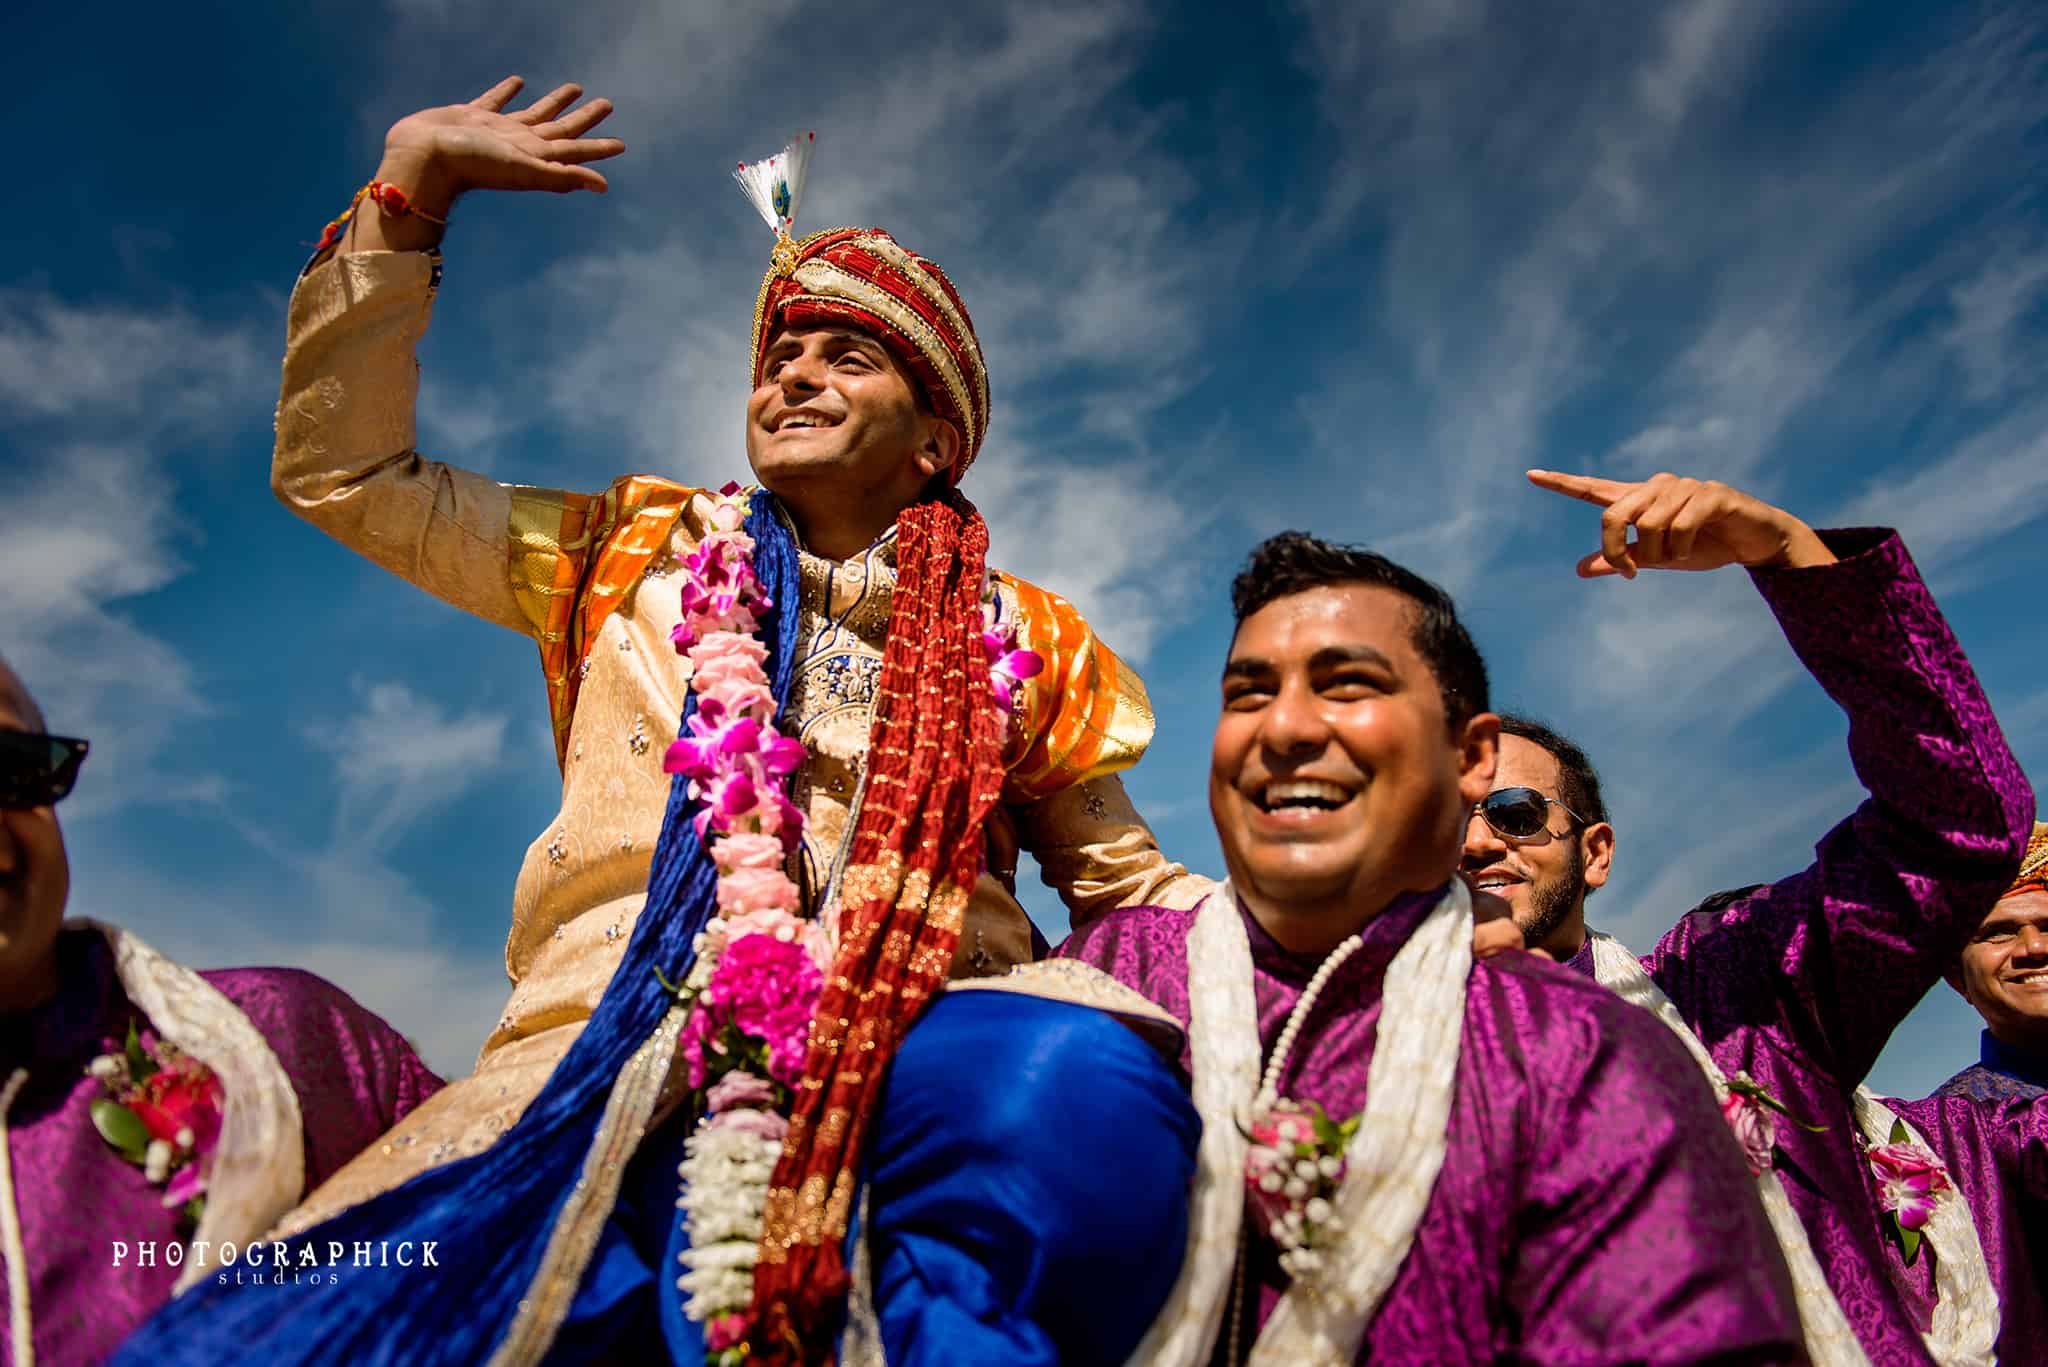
(863,278)
(2034,864)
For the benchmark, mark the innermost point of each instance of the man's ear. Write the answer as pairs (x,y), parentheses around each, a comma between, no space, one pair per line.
(1478,757)
(940,447)
(1596,853)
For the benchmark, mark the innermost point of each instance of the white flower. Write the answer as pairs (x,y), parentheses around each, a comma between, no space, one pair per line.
(726,1172)
(1329,1166)
(184,1136)
(156,1161)
(1318,1210)
(1269,1181)
(1306,1169)
(109,1068)
(1296,1189)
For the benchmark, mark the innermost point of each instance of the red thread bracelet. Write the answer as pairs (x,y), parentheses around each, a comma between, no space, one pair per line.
(387,197)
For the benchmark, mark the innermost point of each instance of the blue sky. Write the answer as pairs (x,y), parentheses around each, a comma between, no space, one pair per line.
(1344,267)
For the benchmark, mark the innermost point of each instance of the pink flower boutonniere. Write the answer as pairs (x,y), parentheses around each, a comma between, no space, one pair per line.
(1749,1111)
(162,1113)
(1291,1173)
(1911,1184)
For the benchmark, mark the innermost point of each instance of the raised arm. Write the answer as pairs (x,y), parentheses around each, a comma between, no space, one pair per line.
(1833,958)
(346,458)
(1098,854)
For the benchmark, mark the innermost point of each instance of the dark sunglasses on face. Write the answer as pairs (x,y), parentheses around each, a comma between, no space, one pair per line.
(1521,813)
(37,770)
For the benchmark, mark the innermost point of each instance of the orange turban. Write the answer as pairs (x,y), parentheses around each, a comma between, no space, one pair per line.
(862,277)
(2034,864)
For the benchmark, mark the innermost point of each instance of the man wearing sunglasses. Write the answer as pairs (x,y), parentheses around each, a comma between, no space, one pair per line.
(128,1164)
(1788,991)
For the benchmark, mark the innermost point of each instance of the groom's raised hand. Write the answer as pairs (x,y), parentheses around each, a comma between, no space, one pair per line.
(1685,524)
(437,155)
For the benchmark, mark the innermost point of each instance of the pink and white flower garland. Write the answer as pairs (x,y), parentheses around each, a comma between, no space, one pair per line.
(759,966)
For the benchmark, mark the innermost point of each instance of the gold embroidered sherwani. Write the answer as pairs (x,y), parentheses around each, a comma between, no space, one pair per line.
(588,576)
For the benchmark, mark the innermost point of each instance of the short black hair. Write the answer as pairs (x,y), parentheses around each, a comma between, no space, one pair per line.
(1578,783)
(1295,562)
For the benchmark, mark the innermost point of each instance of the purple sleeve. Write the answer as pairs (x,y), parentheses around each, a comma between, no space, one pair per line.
(355,1076)
(1831,959)
(1639,1236)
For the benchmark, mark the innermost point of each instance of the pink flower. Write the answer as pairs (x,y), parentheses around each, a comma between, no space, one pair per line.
(186,1182)
(1008,666)
(727,654)
(1282,1127)
(769,1125)
(1910,1182)
(755,890)
(746,850)
(738,697)
(185,1097)
(738,1090)
(765,988)
(729,511)
(726,1331)
(1751,1123)
(1266,1170)
(782,926)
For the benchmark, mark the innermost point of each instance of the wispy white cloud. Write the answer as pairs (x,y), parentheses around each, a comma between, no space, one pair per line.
(1987,486)
(401,755)
(1098,537)
(99,365)
(1990,313)
(68,575)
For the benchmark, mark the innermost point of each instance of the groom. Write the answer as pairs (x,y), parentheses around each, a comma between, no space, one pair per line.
(1447,1160)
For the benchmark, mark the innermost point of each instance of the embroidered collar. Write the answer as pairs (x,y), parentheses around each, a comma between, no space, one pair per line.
(2001,1057)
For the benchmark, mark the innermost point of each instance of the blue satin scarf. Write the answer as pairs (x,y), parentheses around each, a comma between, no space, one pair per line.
(488,1216)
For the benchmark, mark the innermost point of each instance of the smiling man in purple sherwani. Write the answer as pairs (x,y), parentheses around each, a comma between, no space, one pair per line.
(270,1079)
(1445,1160)
(2003,973)
(1792,988)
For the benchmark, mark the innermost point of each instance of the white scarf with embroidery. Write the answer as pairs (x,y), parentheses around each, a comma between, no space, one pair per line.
(1966,1316)
(1392,1161)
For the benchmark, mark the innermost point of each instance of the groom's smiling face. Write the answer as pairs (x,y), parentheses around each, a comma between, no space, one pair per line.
(1337,781)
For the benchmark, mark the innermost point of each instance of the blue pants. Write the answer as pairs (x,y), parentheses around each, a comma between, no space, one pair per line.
(1027,1184)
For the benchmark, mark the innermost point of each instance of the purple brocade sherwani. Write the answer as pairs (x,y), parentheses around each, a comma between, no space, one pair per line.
(2002,1073)
(1800,983)
(1997,1152)
(353,1074)
(1590,1209)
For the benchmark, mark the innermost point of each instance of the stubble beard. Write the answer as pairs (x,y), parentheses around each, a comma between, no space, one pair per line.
(1551,901)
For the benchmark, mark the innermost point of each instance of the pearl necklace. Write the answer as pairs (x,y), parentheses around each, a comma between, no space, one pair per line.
(1269,1086)
(1304,1183)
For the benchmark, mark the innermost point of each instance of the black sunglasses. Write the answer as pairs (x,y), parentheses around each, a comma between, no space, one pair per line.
(37,770)
(1521,813)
